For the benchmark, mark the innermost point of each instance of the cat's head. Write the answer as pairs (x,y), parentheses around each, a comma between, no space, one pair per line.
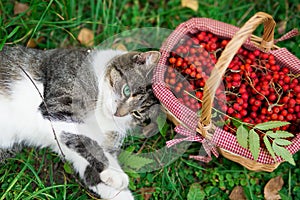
(129,76)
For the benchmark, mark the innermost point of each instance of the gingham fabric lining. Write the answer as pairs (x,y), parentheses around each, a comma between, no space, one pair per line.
(288,35)
(221,138)
(193,137)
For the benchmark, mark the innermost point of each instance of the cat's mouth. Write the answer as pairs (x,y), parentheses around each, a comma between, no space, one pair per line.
(122,112)
(137,114)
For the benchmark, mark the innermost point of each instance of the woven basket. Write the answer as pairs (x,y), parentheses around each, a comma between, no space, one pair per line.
(202,129)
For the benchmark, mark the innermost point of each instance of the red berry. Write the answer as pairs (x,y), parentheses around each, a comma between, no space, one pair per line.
(287,79)
(172,60)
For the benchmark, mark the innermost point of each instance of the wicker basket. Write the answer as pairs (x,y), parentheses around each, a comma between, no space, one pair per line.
(202,129)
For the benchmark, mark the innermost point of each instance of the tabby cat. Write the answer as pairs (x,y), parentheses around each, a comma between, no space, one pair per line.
(80,103)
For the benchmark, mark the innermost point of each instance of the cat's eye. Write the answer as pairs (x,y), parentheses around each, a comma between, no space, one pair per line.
(126,91)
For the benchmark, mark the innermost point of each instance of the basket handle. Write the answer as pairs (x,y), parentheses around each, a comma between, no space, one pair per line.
(227,55)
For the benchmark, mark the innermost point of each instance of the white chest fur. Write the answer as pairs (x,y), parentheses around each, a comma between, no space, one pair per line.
(20,118)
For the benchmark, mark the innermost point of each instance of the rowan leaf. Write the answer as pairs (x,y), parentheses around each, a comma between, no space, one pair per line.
(132,161)
(242,136)
(269,147)
(254,145)
(236,122)
(284,153)
(282,142)
(270,125)
(279,134)
(284,134)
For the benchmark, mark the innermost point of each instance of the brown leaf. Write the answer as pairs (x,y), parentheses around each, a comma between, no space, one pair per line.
(298,7)
(192,4)
(86,37)
(20,7)
(147,192)
(272,188)
(237,193)
(119,46)
(31,43)
(281,27)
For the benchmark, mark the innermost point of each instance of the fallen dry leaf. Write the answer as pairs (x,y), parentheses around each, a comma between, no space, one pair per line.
(272,188)
(237,193)
(20,7)
(281,27)
(192,4)
(147,192)
(119,46)
(86,37)
(33,43)
(298,7)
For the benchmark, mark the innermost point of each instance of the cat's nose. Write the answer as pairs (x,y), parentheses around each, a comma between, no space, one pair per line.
(121,112)
(117,114)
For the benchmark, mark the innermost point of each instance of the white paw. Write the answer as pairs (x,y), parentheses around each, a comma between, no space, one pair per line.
(114,178)
(123,195)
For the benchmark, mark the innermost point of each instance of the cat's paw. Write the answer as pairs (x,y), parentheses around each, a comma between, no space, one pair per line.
(114,178)
(109,193)
(123,195)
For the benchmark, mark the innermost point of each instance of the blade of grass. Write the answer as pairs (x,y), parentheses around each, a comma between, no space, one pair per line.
(15,180)
(23,190)
(41,19)
(252,196)
(35,194)
(171,183)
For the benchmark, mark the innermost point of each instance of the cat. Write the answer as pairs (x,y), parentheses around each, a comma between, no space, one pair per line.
(80,103)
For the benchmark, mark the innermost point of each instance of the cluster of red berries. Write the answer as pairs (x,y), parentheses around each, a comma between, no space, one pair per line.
(256,89)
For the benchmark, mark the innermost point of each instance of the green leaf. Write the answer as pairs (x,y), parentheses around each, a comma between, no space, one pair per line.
(254,144)
(196,192)
(133,161)
(269,147)
(270,125)
(282,142)
(284,134)
(279,134)
(284,153)
(163,126)
(242,136)
(236,122)
(68,169)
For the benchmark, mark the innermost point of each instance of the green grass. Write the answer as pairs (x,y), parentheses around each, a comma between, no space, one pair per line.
(41,174)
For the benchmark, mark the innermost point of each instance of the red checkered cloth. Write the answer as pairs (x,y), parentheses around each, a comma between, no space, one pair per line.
(189,118)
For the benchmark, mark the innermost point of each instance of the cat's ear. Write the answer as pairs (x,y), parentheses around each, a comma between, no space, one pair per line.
(147,58)
(151,57)
(114,76)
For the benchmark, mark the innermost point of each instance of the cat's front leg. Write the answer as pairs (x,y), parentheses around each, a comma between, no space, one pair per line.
(103,174)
